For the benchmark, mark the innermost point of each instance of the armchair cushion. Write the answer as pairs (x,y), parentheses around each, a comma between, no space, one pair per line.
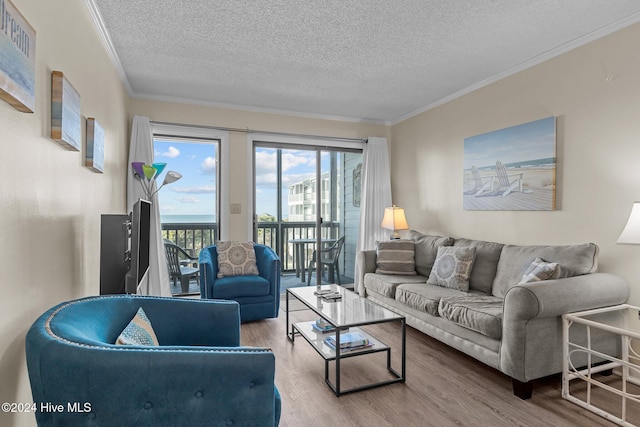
(241,286)
(138,332)
(236,259)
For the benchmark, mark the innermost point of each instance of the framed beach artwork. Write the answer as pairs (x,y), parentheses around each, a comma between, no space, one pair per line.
(94,153)
(512,169)
(17,59)
(65,112)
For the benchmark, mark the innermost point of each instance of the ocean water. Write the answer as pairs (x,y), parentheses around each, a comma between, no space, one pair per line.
(547,162)
(188,219)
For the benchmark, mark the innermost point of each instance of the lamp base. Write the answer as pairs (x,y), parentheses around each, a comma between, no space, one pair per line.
(394,236)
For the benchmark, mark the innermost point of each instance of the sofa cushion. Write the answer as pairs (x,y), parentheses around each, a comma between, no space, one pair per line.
(386,284)
(396,257)
(427,250)
(452,268)
(236,259)
(482,314)
(573,260)
(423,297)
(485,264)
(540,270)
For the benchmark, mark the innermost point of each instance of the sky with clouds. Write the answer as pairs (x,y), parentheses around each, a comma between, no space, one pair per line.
(195,193)
(528,141)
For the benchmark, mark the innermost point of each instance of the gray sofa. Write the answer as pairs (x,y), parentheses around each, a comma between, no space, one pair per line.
(511,326)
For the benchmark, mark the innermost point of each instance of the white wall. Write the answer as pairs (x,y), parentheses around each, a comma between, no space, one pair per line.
(598,152)
(50,204)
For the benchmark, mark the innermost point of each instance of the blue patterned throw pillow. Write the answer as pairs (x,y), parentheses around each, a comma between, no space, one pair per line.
(540,270)
(138,331)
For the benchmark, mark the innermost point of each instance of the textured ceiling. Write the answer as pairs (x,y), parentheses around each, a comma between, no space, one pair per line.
(375,60)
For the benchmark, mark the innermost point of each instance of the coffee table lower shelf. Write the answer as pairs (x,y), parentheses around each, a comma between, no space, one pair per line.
(317,341)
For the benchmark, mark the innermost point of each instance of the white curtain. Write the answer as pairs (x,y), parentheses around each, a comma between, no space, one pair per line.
(141,150)
(376,196)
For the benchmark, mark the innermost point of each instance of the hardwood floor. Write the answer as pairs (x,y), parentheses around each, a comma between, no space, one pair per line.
(444,387)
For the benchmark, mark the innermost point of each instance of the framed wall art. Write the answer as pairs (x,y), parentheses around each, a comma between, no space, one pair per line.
(512,169)
(94,152)
(65,112)
(357,185)
(17,59)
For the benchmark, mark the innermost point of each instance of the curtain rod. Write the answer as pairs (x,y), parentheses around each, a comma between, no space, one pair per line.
(247,130)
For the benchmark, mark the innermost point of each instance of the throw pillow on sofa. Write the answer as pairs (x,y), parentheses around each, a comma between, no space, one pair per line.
(453,267)
(236,259)
(540,270)
(396,257)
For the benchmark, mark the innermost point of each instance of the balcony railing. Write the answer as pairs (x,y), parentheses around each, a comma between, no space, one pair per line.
(277,235)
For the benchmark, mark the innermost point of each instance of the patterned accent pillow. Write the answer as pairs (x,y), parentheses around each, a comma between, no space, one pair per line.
(453,267)
(541,270)
(236,259)
(396,257)
(138,331)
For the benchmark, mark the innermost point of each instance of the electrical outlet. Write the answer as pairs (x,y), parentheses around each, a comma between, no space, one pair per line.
(235,208)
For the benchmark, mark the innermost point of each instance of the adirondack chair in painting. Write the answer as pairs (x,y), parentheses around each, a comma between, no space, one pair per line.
(481,185)
(506,181)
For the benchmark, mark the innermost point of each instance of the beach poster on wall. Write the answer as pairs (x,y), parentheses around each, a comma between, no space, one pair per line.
(65,112)
(17,59)
(511,169)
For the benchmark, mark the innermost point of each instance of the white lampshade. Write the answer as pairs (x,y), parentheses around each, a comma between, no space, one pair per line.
(394,219)
(631,233)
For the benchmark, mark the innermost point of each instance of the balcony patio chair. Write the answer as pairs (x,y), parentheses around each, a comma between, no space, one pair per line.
(175,258)
(329,257)
(258,295)
(197,375)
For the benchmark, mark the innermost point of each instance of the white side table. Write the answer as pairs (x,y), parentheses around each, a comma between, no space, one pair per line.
(620,322)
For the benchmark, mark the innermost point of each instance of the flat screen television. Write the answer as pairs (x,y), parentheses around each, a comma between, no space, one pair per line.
(124,250)
(140,234)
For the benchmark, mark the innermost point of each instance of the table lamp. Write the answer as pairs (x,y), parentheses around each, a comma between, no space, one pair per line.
(395,220)
(631,233)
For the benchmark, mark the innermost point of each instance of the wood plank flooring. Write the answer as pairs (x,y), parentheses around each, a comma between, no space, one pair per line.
(444,387)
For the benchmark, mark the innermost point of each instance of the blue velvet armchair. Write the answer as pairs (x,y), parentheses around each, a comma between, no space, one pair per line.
(258,296)
(199,375)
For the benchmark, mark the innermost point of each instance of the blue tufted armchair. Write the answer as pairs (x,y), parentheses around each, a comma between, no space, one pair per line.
(258,296)
(199,375)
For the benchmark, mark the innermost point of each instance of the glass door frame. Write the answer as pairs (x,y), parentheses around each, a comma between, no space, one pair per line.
(287,142)
(186,132)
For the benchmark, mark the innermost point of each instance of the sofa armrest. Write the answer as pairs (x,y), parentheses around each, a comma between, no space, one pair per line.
(551,298)
(531,345)
(365,263)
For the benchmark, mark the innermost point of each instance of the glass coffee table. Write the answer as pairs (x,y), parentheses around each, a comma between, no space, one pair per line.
(345,315)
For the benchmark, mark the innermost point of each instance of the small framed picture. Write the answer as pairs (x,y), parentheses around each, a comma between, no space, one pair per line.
(94,153)
(65,112)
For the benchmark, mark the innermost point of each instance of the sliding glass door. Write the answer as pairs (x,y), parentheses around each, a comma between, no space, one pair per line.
(307,197)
